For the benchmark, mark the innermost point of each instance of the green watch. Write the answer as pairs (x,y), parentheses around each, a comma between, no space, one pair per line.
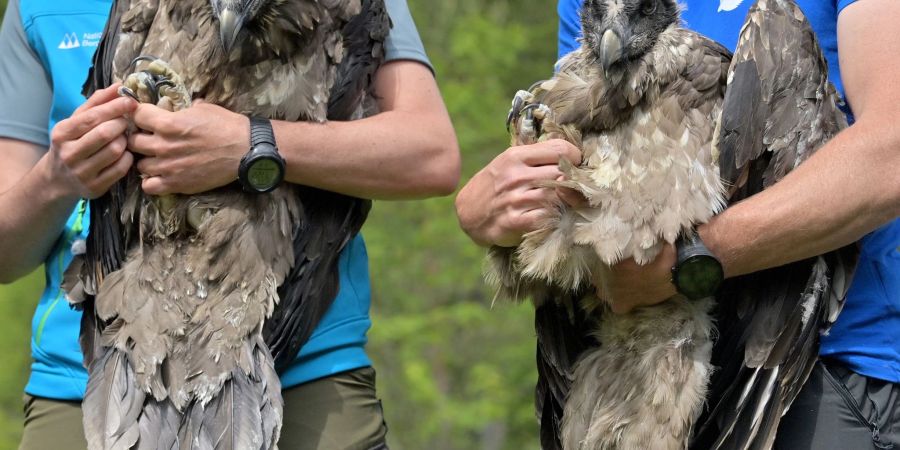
(262,169)
(697,273)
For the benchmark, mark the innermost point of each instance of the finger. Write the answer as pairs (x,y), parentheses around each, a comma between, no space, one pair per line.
(152,118)
(99,136)
(528,221)
(99,97)
(114,172)
(82,123)
(572,197)
(155,186)
(537,198)
(549,153)
(106,156)
(144,143)
(150,166)
(570,152)
(538,177)
(621,307)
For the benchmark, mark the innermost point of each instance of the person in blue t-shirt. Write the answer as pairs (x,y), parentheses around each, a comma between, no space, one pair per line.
(58,149)
(849,191)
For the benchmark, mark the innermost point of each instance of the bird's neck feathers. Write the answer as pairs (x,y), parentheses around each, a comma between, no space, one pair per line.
(280,30)
(613,94)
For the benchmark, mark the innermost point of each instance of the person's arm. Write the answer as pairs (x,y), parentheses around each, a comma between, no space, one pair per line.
(38,188)
(847,189)
(409,150)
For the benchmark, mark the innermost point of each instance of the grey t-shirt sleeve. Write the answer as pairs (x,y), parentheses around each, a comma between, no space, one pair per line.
(404,42)
(25,89)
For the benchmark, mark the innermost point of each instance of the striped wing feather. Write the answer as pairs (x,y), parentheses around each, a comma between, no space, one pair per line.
(779,109)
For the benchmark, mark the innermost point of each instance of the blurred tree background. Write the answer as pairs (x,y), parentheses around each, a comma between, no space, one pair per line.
(453,372)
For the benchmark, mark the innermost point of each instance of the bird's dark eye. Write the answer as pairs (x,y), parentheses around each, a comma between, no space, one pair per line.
(649,8)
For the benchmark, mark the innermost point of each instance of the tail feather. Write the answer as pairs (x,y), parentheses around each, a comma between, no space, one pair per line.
(245,414)
(112,403)
(159,426)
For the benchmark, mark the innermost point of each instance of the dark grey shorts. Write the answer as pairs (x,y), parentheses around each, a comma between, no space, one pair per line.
(839,409)
(340,412)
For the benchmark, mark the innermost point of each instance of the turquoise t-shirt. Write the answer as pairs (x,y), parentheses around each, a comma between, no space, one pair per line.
(46,48)
(866,337)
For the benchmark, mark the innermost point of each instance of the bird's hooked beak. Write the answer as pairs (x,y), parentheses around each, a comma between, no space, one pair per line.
(610,49)
(230,24)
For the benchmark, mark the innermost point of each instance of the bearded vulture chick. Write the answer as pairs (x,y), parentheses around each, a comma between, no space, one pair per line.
(194,301)
(672,129)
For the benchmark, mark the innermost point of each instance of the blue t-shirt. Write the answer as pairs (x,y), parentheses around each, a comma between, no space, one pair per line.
(866,337)
(46,48)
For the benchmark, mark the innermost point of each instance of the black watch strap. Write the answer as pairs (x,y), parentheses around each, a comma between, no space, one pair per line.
(689,244)
(261,131)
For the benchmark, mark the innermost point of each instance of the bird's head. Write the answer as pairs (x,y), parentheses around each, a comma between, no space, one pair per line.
(620,31)
(232,15)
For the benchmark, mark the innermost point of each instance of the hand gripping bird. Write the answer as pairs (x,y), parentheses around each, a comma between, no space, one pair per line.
(193,301)
(672,129)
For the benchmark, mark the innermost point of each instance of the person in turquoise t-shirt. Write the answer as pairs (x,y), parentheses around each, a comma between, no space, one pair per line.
(849,191)
(57,149)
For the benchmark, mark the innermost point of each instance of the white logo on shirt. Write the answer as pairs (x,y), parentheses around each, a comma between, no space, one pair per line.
(729,5)
(69,41)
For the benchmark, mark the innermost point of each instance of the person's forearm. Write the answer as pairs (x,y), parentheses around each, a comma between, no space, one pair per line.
(849,188)
(34,213)
(407,151)
(39,189)
(392,155)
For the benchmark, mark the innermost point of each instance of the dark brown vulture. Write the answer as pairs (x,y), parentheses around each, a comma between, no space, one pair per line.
(194,301)
(672,129)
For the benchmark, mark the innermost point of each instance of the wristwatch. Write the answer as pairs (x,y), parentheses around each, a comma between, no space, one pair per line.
(262,168)
(697,273)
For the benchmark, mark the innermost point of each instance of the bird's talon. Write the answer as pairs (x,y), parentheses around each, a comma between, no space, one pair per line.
(518,102)
(135,61)
(126,92)
(165,82)
(157,84)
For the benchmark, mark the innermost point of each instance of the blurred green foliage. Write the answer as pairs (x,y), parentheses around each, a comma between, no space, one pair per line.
(453,372)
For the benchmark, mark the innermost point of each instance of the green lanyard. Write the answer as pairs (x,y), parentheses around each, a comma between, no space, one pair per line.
(77,228)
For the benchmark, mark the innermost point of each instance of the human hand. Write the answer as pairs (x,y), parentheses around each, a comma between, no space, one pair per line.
(87,151)
(627,285)
(502,202)
(189,151)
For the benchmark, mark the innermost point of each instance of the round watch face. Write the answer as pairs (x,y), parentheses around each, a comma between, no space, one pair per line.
(263,174)
(699,276)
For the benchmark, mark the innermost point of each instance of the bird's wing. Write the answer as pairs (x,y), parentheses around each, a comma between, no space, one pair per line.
(364,37)
(330,220)
(779,108)
(114,216)
(563,334)
(113,222)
